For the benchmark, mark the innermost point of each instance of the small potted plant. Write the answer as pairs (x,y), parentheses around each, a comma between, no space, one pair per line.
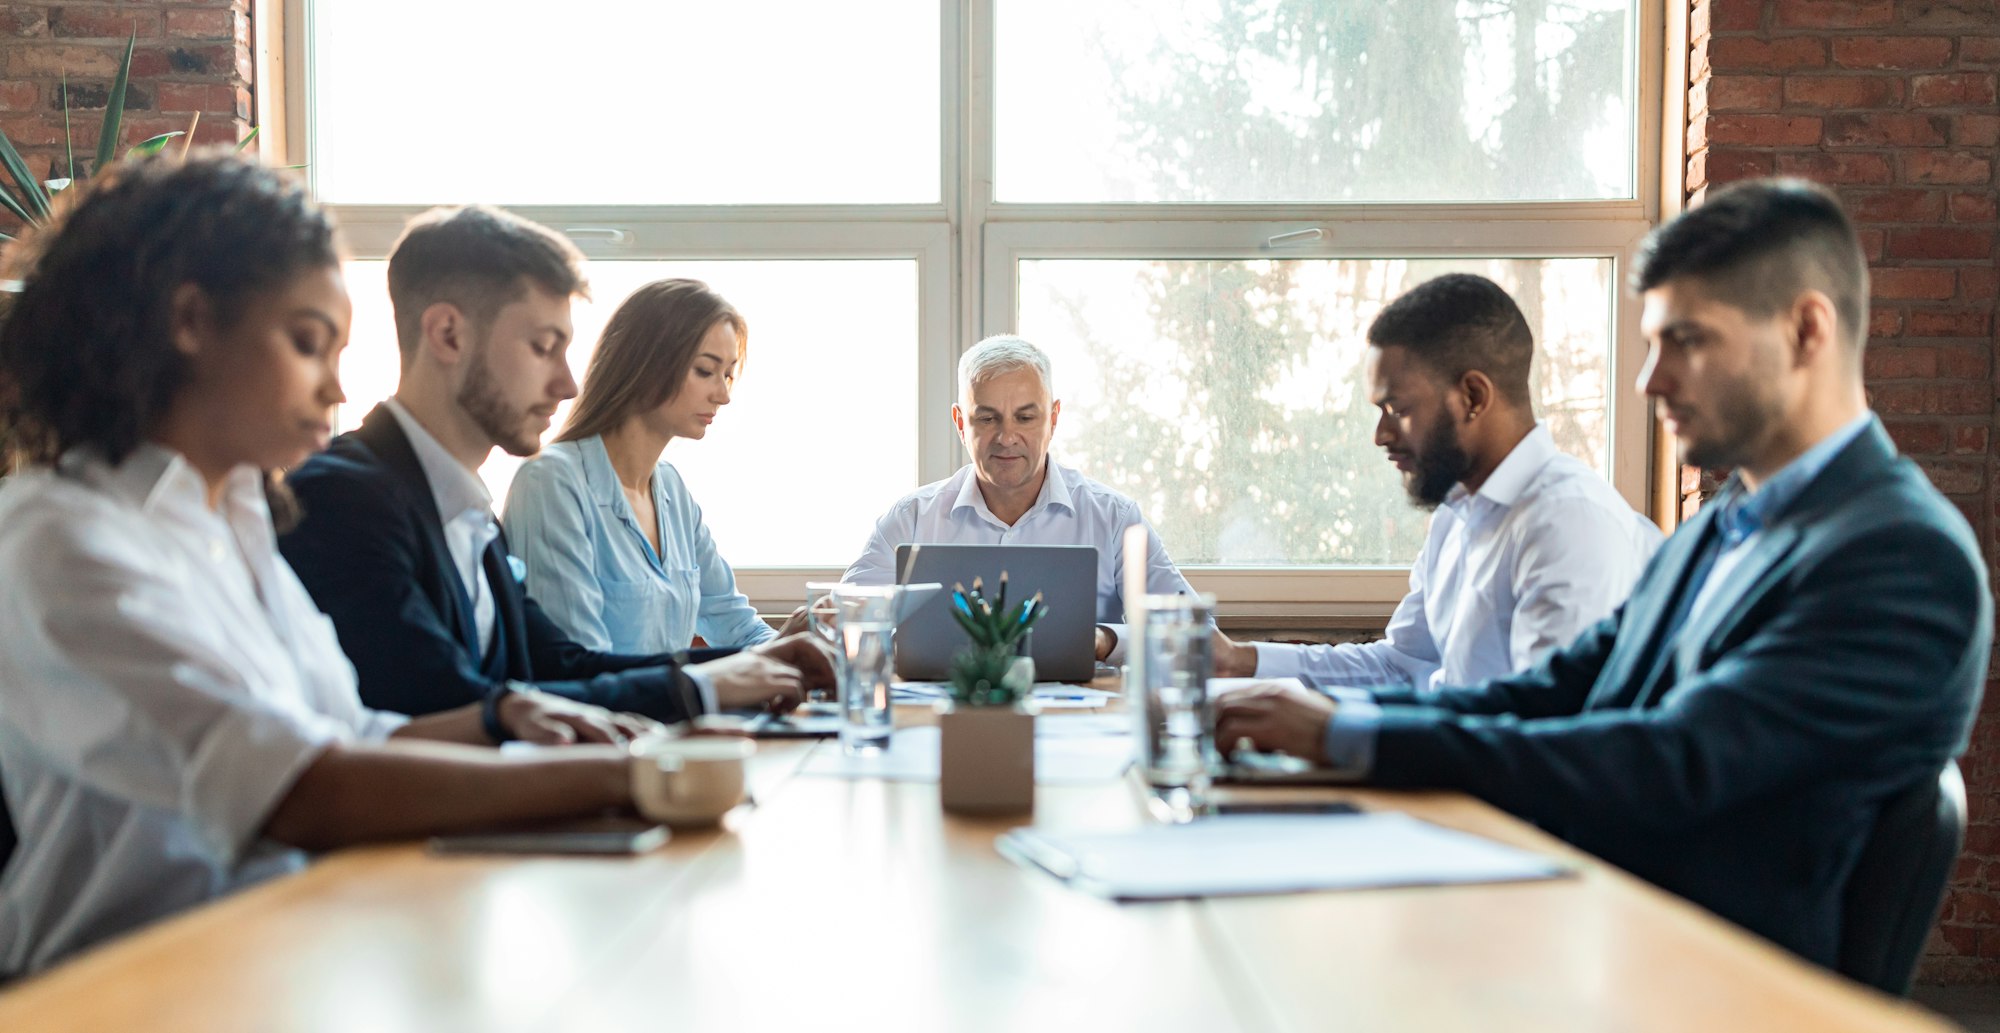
(987,731)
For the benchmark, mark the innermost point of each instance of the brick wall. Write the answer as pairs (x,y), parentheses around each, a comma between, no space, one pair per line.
(1892,102)
(189,56)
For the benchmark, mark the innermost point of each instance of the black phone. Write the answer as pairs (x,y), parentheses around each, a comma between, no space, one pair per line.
(1283,807)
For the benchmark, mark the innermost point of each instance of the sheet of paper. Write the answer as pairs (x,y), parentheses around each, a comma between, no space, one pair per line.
(1250,854)
(912,756)
(1071,697)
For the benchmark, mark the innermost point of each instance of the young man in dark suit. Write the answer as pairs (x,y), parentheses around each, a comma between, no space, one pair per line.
(398,544)
(1812,643)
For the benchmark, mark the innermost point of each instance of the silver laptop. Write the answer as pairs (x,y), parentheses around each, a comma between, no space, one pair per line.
(1063,643)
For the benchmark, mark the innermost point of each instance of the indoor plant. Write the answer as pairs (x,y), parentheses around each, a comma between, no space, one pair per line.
(987,730)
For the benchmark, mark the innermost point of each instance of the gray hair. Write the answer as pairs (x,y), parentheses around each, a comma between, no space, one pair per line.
(1001,353)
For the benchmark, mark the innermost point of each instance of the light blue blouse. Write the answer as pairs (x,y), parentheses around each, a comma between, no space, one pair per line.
(593,571)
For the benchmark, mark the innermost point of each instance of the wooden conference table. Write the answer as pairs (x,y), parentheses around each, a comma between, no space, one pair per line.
(837,904)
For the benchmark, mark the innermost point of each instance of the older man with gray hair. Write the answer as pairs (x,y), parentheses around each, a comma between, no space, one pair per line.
(1012,493)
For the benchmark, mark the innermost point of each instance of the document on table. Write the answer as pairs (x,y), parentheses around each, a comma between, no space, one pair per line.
(1230,856)
(912,756)
(1048,697)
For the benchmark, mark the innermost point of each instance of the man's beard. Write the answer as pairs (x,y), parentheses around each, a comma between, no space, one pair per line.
(481,399)
(1441,463)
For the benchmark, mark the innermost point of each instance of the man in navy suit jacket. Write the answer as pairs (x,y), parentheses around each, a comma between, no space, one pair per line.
(1809,645)
(398,543)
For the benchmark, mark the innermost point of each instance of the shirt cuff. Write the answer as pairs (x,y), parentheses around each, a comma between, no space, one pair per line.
(1118,637)
(703,688)
(1349,743)
(1278,660)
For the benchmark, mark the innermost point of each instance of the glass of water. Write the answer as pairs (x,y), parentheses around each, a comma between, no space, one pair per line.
(820,613)
(1176,727)
(865,624)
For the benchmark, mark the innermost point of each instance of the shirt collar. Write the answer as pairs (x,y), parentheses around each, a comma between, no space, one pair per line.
(1504,486)
(1746,512)
(598,476)
(156,478)
(455,489)
(1055,492)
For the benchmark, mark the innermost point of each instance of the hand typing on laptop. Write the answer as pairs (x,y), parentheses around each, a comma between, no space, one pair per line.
(1278,716)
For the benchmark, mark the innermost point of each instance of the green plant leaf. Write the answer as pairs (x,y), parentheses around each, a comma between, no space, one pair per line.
(152,145)
(69,145)
(244,144)
(114,109)
(32,198)
(8,202)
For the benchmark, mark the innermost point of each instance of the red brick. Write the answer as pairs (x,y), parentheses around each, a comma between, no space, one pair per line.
(1979,282)
(1729,164)
(1745,92)
(1957,478)
(1764,130)
(1892,53)
(1950,14)
(208,98)
(1979,50)
(32,130)
(54,60)
(1835,14)
(1946,167)
(1915,284)
(1836,167)
(110,23)
(1845,92)
(1975,130)
(150,63)
(1973,907)
(1917,439)
(1957,89)
(202,24)
(20,96)
(1964,400)
(1954,322)
(1747,54)
(1885,130)
(1937,242)
(1982,840)
(1884,322)
(1974,208)
(1961,363)
(1735,15)
(1960,939)
(1873,206)
(24,21)
(1874,245)
(1969,441)
(1901,363)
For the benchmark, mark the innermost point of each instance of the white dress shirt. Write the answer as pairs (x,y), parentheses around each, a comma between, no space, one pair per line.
(1544,549)
(1071,510)
(466,508)
(165,680)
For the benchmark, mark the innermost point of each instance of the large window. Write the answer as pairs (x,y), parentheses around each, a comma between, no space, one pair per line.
(1196,207)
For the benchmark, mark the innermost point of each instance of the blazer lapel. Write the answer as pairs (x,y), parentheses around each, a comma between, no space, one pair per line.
(510,620)
(1642,645)
(385,437)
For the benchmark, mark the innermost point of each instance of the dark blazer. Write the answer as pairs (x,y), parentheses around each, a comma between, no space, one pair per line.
(1741,762)
(372,552)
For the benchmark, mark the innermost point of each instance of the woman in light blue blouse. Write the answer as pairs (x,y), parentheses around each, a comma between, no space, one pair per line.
(615,548)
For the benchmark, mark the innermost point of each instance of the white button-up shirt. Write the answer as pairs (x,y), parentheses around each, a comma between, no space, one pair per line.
(1071,510)
(164,681)
(466,508)
(1544,549)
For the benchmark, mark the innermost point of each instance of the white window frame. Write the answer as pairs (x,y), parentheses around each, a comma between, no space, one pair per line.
(967,248)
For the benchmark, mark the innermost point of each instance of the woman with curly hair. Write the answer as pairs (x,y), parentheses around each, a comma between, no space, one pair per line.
(176,718)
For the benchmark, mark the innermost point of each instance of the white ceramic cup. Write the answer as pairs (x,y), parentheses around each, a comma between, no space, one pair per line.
(690,781)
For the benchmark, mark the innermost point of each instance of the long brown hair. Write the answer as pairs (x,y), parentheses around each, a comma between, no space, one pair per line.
(644,355)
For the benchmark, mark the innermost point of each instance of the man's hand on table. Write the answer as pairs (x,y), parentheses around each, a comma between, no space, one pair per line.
(774,675)
(550,720)
(1107,640)
(1274,716)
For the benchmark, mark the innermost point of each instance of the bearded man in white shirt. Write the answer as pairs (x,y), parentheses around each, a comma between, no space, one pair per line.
(1012,493)
(1528,546)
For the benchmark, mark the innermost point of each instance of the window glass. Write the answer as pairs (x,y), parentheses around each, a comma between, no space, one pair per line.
(820,433)
(1229,398)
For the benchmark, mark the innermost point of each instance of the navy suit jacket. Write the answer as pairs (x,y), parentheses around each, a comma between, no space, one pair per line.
(1740,762)
(372,552)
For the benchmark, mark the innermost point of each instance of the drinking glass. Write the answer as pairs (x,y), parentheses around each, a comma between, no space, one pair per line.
(1176,728)
(865,619)
(820,612)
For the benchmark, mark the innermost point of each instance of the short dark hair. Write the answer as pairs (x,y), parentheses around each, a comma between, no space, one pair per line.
(1457,323)
(86,352)
(1758,244)
(478,258)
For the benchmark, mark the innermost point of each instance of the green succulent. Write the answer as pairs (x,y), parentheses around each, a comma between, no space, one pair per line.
(979,672)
